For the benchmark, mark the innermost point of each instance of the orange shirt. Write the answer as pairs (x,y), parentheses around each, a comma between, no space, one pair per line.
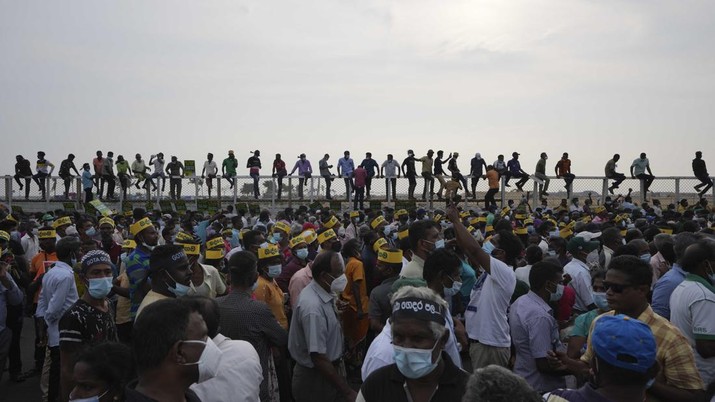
(493,178)
(38,266)
(269,293)
(355,272)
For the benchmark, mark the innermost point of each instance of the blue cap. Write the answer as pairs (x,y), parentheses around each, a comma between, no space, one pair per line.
(624,342)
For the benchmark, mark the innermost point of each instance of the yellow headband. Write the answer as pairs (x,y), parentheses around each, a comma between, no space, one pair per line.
(310,236)
(268,252)
(325,236)
(565,232)
(464,214)
(482,219)
(106,221)
(129,244)
(354,214)
(528,221)
(401,212)
(489,228)
(137,227)
(378,243)
(474,221)
(505,211)
(242,232)
(215,254)
(598,209)
(215,243)
(192,249)
(183,237)
(586,219)
(4,235)
(331,222)
(296,241)
(227,232)
(47,234)
(11,219)
(520,231)
(521,217)
(623,232)
(65,220)
(403,234)
(666,231)
(128,213)
(390,257)
(437,218)
(282,226)
(377,222)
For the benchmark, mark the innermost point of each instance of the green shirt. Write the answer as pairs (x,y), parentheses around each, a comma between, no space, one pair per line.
(231,164)
(122,167)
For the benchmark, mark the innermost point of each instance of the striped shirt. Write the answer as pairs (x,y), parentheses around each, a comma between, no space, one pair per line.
(137,270)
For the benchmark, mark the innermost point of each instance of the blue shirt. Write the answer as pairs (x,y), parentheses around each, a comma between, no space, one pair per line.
(514,166)
(345,166)
(664,288)
(8,297)
(58,294)
(87,179)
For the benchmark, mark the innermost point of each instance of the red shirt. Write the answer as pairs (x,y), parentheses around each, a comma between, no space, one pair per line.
(360,174)
(563,166)
(279,166)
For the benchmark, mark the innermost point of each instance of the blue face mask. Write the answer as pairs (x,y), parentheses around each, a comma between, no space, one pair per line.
(387,230)
(254,286)
(302,253)
(179,289)
(439,244)
(274,270)
(599,299)
(645,258)
(556,296)
(488,247)
(99,288)
(454,290)
(277,237)
(414,363)
(91,231)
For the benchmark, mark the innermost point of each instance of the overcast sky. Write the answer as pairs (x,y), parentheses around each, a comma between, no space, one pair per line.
(491,76)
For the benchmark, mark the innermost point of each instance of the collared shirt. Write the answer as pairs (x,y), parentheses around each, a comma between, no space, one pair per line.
(233,382)
(315,327)
(293,265)
(426,164)
(639,166)
(380,353)
(303,167)
(581,283)
(535,333)
(388,384)
(210,168)
(231,164)
(298,282)
(324,167)
(391,168)
(692,310)
(211,286)
(379,307)
(673,354)
(664,287)
(151,297)
(11,296)
(269,293)
(346,166)
(31,245)
(414,268)
(59,293)
(87,182)
(250,320)
(137,271)
(563,166)
(486,318)
(522,273)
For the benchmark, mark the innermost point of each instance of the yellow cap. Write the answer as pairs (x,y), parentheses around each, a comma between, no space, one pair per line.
(666,230)
(4,235)
(282,226)
(137,227)
(437,218)
(182,237)
(390,257)
(354,214)
(489,228)
(482,219)
(192,249)
(378,244)
(309,235)
(403,234)
(528,221)
(520,231)
(599,208)
(470,229)
(401,212)
(325,236)
(296,241)
(586,219)
(464,214)
(130,244)
(268,252)
(215,254)
(47,234)
(521,217)
(65,220)
(128,213)
(216,242)
(331,222)
(474,221)
(505,211)
(377,222)
(106,221)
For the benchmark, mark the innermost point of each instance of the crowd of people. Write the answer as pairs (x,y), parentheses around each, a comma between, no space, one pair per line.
(611,301)
(100,174)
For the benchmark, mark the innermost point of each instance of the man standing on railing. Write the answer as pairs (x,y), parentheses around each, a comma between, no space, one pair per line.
(325,174)
(427,174)
(638,170)
(541,175)
(372,169)
(612,174)
(454,169)
(108,174)
(408,170)
(209,171)
(254,168)
(390,170)
(66,175)
(346,166)
(563,169)
(304,172)
(439,171)
(228,168)
(87,183)
(23,171)
(44,169)
(279,171)
(699,169)
(158,162)
(122,172)
(493,180)
(139,168)
(478,166)
(175,169)
(98,162)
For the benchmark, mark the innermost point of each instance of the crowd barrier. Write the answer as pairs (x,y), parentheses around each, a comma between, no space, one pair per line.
(195,195)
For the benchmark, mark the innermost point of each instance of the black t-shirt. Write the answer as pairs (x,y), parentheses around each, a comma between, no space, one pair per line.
(65,167)
(23,168)
(699,168)
(84,325)
(175,168)
(387,384)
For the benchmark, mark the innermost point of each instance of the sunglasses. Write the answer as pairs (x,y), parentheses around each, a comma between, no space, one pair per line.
(616,288)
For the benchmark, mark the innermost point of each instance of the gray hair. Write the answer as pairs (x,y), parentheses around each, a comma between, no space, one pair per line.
(428,294)
(497,384)
(683,240)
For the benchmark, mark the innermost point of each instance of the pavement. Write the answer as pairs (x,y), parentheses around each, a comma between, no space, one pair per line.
(28,390)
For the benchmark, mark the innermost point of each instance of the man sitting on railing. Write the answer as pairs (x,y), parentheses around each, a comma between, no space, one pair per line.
(23,170)
(699,169)
(515,170)
(612,174)
(44,169)
(638,170)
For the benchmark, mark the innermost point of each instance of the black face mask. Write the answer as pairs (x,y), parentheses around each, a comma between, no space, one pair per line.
(337,247)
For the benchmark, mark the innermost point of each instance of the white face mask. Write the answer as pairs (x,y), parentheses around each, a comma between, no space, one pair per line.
(339,284)
(208,361)
(95,398)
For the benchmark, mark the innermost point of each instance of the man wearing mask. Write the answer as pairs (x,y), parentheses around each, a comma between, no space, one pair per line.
(477,169)
(170,274)
(58,294)
(44,170)
(408,170)
(297,261)
(172,351)
(422,369)
(372,168)
(10,295)
(541,175)
(98,164)
(279,171)
(325,174)
(390,170)
(65,173)
(107,242)
(108,174)
(427,163)
(88,322)
(244,318)
(123,174)
(139,168)
(209,171)
(137,262)
(424,238)
(228,168)
(580,273)
(563,169)
(316,339)
(346,166)
(158,162)
(439,171)
(305,171)
(267,291)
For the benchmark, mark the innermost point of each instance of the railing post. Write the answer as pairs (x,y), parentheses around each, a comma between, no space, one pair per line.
(218,189)
(235,190)
(642,183)
(503,195)
(388,187)
(8,191)
(290,191)
(677,191)
(604,190)
(311,188)
(535,195)
(196,192)
(78,194)
(47,192)
(273,193)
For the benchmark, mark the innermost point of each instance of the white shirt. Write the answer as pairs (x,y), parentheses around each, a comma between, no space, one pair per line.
(390,168)
(581,283)
(692,310)
(544,246)
(639,166)
(210,168)
(58,294)
(31,245)
(486,319)
(211,286)
(239,374)
(522,274)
